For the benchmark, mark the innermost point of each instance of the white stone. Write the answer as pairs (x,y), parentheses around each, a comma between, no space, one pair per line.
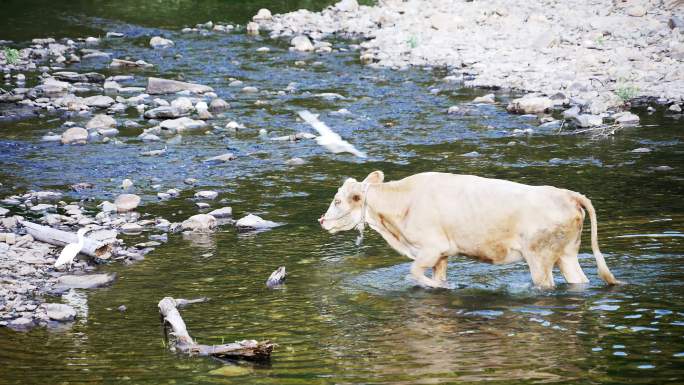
(488,99)
(60,312)
(530,105)
(301,43)
(101,121)
(252,28)
(262,14)
(588,120)
(626,118)
(255,222)
(126,202)
(75,135)
(182,124)
(636,11)
(200,223)
(160,42)
(227,157)
(206,194)
(223,212)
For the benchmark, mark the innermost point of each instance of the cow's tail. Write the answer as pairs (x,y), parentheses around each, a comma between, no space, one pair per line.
(603,270)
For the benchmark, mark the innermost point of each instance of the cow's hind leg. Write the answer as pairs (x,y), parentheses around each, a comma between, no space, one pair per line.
(439,271)
(425,260)
(568,263)
(541,269)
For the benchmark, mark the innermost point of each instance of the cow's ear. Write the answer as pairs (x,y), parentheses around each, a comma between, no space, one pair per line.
(375,177)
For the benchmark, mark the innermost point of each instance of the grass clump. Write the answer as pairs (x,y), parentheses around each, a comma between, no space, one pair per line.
(11,55)
(626,92)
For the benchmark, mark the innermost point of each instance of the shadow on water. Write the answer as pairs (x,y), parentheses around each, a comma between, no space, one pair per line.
(347,314)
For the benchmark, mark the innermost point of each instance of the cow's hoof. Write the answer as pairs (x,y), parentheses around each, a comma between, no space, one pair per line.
(447,285)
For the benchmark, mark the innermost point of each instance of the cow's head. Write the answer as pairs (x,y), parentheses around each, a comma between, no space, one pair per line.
(346,210)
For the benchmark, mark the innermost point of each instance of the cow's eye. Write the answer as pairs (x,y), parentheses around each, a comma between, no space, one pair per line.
(337,202)
(356,197)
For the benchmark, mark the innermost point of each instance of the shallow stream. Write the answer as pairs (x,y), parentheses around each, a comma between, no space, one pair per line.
(347,314)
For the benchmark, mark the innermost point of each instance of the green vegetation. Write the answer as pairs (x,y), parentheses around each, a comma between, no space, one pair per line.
(626,92)
(412,41)
(11,55)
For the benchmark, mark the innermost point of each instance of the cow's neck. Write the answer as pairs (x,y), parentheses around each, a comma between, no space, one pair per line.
(386,206)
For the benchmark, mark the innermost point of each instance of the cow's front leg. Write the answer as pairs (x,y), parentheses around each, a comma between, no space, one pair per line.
(424,261)
(439,271)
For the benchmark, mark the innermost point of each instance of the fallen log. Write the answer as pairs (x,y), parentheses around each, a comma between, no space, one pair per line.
(246,349)
(57,237)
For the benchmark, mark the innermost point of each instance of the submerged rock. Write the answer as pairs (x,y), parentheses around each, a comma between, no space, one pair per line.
(86,281)
(227,157)
(60,312)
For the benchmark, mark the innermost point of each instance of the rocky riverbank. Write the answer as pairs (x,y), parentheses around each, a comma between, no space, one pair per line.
(27,274)
(595,55)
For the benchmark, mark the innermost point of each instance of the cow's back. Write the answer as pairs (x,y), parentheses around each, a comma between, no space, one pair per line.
(481,215)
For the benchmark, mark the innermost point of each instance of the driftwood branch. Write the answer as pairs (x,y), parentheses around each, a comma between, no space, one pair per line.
(277,278)
(247,349)
(61,238)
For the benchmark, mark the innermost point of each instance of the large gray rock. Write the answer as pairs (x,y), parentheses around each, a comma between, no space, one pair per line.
(98,101)
(74,77)
(183,104)
(126,202)
(182,124)
(75,135)
(530,105)
(199,222)
(223,212)
(163,112)
(86,281)
(206,194)
(626,118)
(587,120)
(218,105)
(60,312)
(158,86)
(101,121)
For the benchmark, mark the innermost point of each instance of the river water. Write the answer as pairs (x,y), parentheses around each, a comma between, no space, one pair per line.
(347,314)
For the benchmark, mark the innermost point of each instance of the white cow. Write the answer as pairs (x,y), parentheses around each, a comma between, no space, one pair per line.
(430,216)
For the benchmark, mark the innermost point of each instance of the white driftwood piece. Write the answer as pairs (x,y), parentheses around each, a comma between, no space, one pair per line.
(246,349)
(57,237)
